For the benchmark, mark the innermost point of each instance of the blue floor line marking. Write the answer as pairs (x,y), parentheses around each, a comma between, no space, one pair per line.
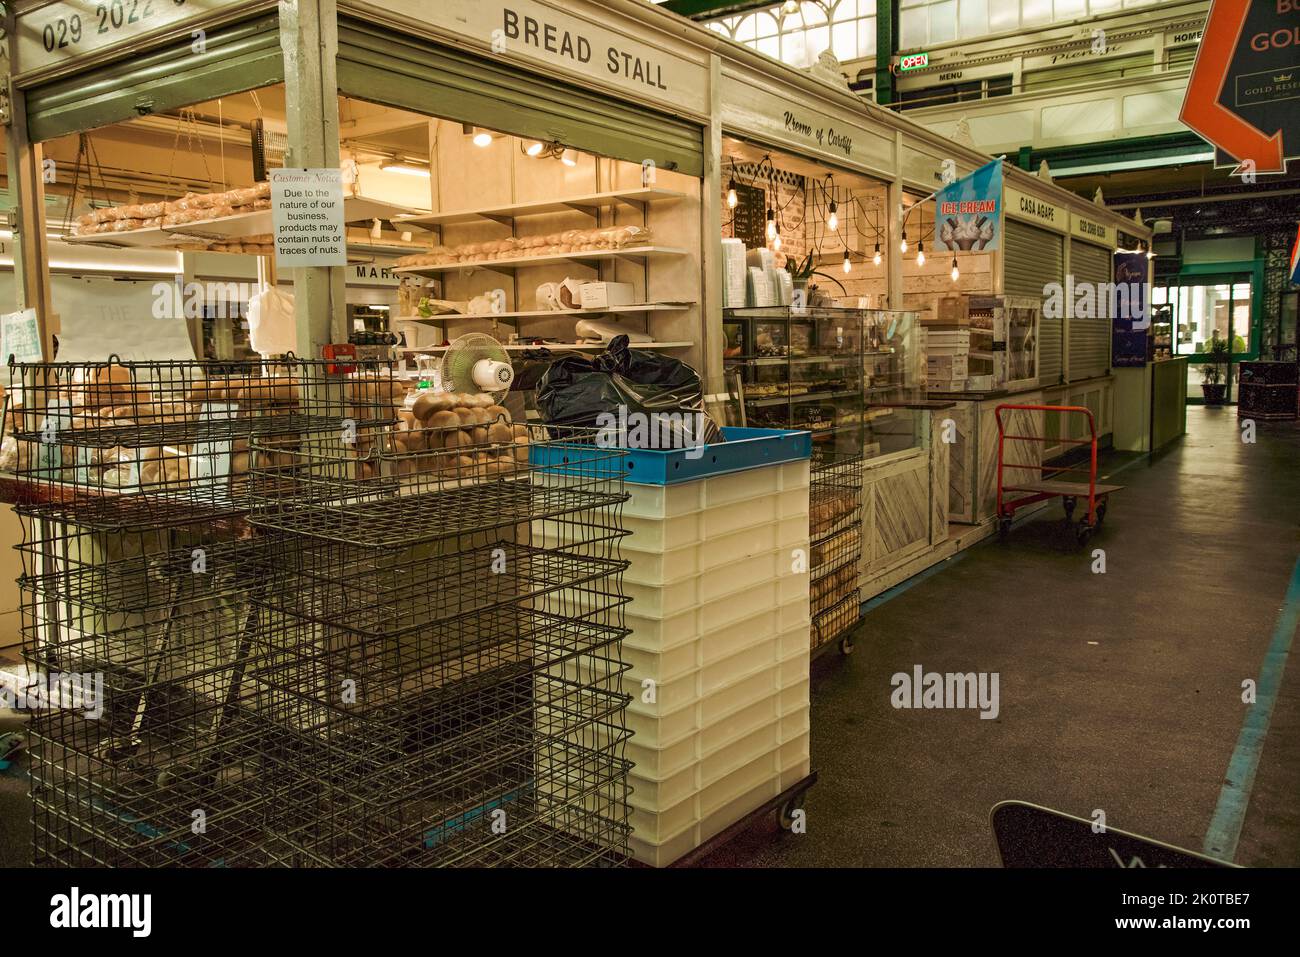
(1234,797)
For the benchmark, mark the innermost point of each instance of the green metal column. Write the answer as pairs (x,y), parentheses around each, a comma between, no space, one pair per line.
(886,48)
(309,38)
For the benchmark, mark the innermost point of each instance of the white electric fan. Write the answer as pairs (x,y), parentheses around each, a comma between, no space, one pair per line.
(478,365)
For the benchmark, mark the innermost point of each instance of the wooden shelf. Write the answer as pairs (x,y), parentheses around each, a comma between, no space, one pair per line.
(514,262)
(645,307)
(240,226)
(591,202)
(579,347)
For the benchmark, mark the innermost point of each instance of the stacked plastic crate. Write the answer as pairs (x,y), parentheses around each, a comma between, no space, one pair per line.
(718,649)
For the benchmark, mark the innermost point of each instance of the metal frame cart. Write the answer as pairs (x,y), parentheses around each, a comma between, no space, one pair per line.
(1050,484)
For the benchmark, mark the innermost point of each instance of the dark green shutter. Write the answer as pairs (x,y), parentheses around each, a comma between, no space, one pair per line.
(1033,258)
(1090,338)
(377,65)
(240,57)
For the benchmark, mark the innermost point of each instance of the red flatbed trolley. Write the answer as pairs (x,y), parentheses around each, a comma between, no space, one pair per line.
(1051,483)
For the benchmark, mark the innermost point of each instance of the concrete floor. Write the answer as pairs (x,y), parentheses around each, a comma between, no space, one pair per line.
(1119,691)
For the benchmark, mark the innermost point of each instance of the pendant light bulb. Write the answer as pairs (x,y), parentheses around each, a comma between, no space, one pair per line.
(776,242)
(875,260)
(569,158)
(535,148)
(482,139)
(848,263)
(920,254)
(771,224)
(732,198)
(903,245)
(833,220)
(956,273)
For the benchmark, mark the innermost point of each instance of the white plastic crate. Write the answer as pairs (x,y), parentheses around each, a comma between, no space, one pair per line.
(756,584)
(714,554)
(715,808)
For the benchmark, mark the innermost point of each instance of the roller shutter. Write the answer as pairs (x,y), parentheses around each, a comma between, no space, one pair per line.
(239,57)
(423,77)
(1090,338)
(1034,258)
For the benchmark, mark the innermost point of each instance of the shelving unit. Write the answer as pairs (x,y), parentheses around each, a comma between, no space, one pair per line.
(577,347)
(514,262)
(552,313)
(590,202)
(355,209)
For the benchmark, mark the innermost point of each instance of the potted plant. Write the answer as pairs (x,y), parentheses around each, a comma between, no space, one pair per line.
(1214,369)
(802,272)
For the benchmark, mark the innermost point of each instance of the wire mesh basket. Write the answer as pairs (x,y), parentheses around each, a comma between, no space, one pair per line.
(835,530)
(273,619)
(441,649)
(117,444)
(144,748)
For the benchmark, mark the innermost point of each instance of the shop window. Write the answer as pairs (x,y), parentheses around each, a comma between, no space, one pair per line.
(943,21)
(998,85)
(1115,68)
(973,18)
(1181,58)
(1004,15)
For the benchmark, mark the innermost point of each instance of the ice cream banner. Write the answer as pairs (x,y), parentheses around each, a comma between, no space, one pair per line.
(967,211)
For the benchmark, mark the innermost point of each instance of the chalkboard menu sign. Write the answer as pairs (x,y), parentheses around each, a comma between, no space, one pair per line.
(749,222)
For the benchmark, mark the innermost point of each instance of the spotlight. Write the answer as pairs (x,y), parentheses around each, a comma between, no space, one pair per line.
(482,139)
(535,148)
(569,158)
(833,220)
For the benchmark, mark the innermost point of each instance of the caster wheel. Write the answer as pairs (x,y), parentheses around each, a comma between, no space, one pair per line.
(1083,533)
(846,645)
(1068,504)
(785,816)
(1004,529)
(1101,513)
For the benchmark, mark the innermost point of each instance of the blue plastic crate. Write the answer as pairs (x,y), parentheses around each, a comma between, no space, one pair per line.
(744,449)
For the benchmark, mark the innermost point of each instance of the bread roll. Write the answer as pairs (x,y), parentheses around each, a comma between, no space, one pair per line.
(457,440)
(499,433)
(465,416)
(480,435)
(443,420)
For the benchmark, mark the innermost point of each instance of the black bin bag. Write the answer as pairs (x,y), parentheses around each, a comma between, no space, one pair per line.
(651,400)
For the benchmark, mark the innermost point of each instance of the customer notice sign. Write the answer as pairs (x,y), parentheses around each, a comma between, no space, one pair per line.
(1244,92)
(307,212)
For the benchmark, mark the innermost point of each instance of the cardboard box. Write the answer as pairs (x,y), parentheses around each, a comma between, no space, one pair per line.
(603,295)
(946,367)
(952,311)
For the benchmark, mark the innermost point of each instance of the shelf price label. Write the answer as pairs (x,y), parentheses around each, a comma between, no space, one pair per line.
(56,33)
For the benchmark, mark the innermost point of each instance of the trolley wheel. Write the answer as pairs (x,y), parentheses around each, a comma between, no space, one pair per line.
(1004,528)
(785,813)
(1068,502)
(1101,512)
(846,645)
(1083,532)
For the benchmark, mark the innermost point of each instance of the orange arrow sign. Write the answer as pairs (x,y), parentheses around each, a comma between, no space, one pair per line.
(1202,110)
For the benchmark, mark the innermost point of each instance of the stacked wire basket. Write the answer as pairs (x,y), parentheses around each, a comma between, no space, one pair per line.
(315,647)
(835,530)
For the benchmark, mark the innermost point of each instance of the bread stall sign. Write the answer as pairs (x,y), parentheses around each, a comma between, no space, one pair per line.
(1244,92)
